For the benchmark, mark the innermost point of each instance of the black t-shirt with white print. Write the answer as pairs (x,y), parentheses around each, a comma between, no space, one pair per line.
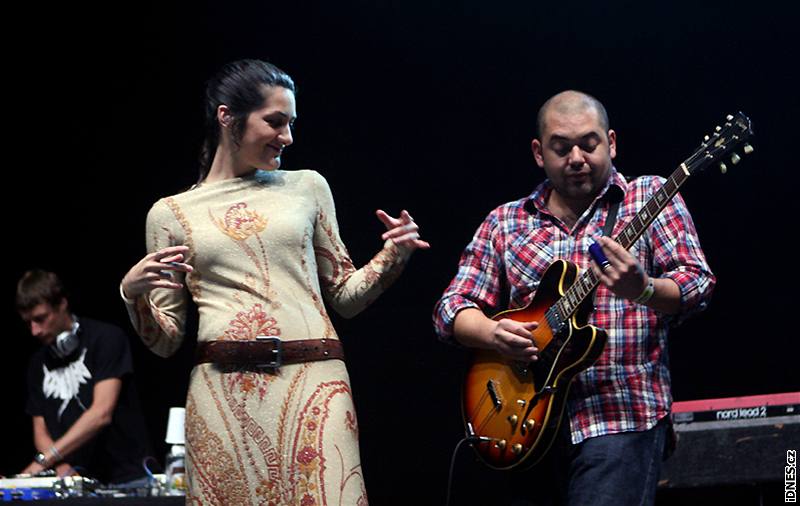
(61,389)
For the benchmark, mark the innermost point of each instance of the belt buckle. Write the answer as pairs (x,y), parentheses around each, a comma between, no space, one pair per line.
(277,352)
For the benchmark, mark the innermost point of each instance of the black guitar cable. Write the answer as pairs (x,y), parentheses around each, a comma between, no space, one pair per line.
(472,438)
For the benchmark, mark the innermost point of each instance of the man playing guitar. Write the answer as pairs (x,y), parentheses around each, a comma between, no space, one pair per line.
(609,448)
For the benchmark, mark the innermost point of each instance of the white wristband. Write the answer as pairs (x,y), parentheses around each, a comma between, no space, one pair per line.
(647,293)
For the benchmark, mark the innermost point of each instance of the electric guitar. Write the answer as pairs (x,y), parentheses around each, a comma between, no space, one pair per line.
(512,410)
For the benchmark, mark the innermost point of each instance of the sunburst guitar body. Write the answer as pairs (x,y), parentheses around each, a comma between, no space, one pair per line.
(519,405)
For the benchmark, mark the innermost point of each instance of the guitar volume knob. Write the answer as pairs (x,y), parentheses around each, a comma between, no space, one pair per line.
(501,445)
(513,419)
(516,449)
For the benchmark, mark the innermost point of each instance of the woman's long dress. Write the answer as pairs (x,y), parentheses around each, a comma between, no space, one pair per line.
(266,252)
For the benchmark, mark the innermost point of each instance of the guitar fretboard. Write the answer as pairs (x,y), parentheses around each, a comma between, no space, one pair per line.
(585,285)
(737,130)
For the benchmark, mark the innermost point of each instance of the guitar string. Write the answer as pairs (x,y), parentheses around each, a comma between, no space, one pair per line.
(479,405)
(486,419)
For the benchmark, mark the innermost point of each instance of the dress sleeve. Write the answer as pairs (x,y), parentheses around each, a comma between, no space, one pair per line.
(159,317)
(347,289)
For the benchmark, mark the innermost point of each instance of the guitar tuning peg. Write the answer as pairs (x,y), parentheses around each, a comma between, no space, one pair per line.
(748,149)
(706,138)
(729,117)
(735,158)
(723,168)
(717,128)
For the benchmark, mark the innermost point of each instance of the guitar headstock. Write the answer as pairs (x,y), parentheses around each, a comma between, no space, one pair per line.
(723,142)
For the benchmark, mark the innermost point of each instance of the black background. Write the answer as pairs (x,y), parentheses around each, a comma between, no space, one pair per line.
(424,105)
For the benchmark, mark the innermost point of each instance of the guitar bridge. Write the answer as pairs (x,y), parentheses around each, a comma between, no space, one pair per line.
(496,400)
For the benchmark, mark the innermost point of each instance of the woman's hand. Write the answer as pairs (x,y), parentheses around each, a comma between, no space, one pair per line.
(155,271)
(402,231)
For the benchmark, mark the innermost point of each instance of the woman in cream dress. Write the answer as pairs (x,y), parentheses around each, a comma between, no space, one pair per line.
(258,250)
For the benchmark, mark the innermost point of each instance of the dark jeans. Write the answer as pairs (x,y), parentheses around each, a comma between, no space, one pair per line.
(619,470)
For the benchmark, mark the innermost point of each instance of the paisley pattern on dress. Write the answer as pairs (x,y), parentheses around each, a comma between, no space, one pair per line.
(268,260)
(239,223)
(247,325)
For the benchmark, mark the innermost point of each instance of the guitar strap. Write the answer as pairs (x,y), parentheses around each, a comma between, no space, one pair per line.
(611,219)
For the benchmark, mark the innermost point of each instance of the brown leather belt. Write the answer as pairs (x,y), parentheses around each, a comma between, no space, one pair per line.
(269,353)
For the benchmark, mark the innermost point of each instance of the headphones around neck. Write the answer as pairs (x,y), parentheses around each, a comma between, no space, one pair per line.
(67,341)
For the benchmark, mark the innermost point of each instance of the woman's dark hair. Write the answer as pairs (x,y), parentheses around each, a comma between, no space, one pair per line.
(37,287)
(240,86)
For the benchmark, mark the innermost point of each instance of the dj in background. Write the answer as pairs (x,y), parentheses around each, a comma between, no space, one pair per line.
(81,394)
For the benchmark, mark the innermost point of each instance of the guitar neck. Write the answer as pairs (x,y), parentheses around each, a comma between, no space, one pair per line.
(657,202)
(588,281)
(736,131)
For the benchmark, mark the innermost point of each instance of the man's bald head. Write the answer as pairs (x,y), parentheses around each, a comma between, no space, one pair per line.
(571,102)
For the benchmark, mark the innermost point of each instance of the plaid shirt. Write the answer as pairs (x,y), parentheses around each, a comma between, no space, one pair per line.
(628,388)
